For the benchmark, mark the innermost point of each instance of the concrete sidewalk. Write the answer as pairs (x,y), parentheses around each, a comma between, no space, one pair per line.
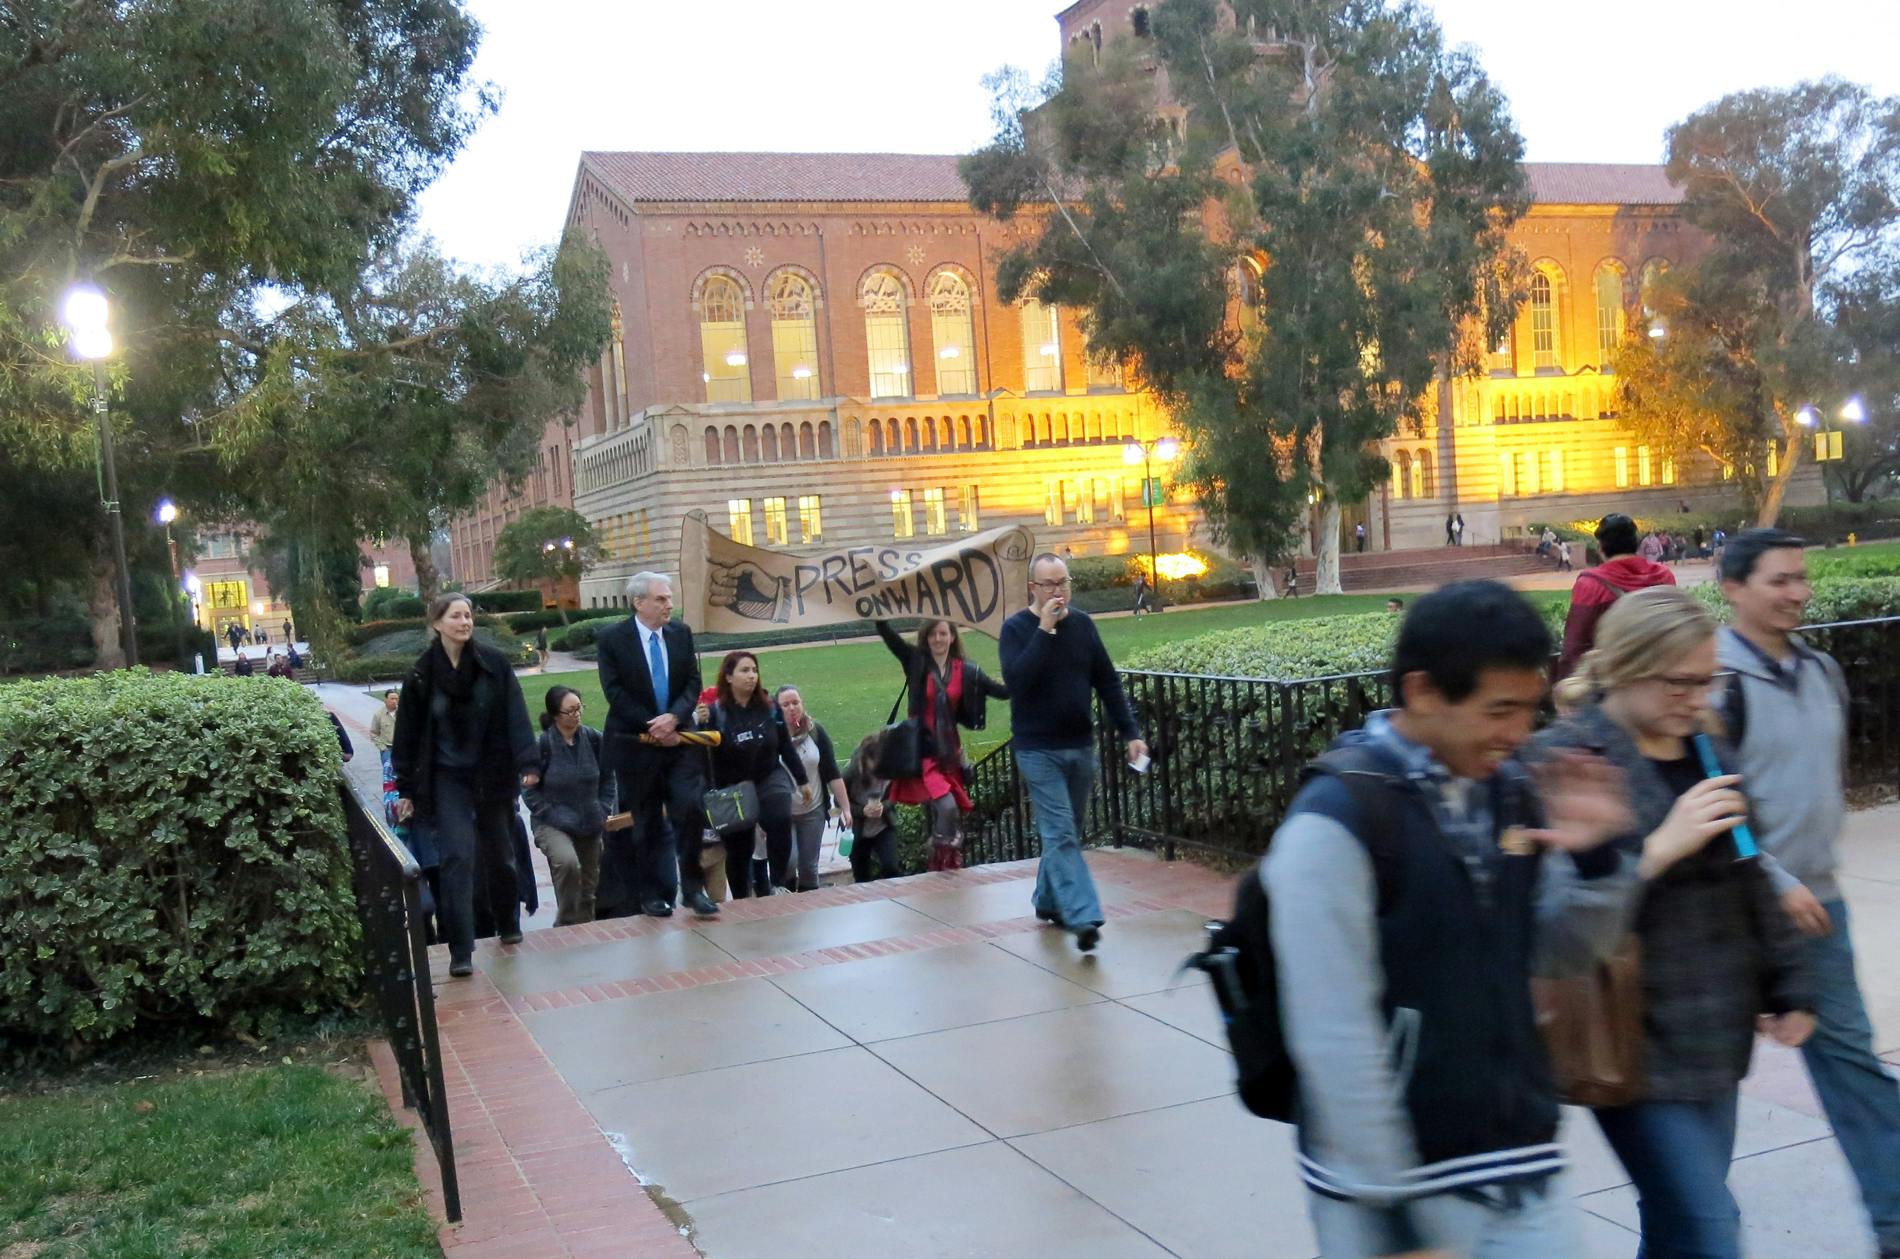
(918,1068)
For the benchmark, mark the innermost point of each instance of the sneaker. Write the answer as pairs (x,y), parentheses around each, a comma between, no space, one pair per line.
(1087,938)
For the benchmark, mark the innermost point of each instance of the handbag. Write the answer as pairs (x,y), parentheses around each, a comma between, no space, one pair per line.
(1593,1026)
(729,808)
(903,745)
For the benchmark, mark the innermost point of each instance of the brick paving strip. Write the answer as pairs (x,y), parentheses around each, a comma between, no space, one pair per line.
(537,1175)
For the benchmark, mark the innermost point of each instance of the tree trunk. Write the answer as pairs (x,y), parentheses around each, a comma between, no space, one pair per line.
(428,581)
(1326,564)
(1263,577)
(1777,489)
(102,609)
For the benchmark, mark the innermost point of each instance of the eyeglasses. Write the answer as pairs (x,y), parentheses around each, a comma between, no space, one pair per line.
(1683,683)
(575,711)
(1053,585)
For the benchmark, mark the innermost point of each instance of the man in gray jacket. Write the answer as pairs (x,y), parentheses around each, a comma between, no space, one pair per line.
(1415,886)
(1786,707)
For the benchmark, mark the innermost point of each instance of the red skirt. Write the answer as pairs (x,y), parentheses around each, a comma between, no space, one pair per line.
(937,780)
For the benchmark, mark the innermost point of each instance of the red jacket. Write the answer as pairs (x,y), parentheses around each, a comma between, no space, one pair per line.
(1596,589)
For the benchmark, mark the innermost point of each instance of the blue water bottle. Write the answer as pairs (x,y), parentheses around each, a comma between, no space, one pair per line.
(1712,768)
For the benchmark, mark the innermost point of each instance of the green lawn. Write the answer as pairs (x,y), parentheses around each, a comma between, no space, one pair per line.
(850,687)
(260,1161)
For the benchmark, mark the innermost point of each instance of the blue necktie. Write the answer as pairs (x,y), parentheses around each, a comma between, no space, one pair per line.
(656,661)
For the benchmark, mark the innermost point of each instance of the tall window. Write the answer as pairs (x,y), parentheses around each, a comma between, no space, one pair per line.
(1243,295)
(1526,472)
(1643,466)
(811,521)
(1612,315)
(936,524)
(739,520)
(1042,348)
(1052,503)
(952,332)
(776,530)
(1418,475)
(1507,475)
(795,338)
(1622,467)
(620,365)
(886,336)
(903,524)
(1543,322)
(967,509)
(1118,499)
(1504,354)
(1653,270)
(1402,475)
(1555,482)
(1084,504)
(722,341)
(1668,470)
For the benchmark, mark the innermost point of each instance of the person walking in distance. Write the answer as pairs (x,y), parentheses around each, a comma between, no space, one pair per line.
(1595,589)
(1785,706)
(1055,665)
(570,805)
(1415,886)
(649,672)
(1359,536)
(1451,531)
(382,728)
(463,749)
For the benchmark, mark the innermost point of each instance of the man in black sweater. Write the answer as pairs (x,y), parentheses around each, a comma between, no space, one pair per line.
(1054,663)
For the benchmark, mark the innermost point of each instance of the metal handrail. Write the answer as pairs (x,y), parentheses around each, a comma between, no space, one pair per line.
(388,885)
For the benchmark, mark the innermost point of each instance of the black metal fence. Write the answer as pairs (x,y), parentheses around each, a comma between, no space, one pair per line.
(388,885)
(1228,752)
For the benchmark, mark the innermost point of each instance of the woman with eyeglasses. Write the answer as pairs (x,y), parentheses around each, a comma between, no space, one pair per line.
(1718,955)
(946,691)
(570,805)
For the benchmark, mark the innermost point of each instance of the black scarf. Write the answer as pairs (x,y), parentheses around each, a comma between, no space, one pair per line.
(455,682)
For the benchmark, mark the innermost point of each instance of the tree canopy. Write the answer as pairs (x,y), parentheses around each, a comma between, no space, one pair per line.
(547,544)
(1286,218)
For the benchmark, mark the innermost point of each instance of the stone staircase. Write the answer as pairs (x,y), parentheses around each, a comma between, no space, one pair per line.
(1428,567)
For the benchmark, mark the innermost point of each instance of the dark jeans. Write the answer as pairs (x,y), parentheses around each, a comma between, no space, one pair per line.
(1678,1153)
(641,864)
(775,815)
(468,830)
(879,850)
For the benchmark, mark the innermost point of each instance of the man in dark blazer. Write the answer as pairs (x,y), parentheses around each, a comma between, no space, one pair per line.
(659,781)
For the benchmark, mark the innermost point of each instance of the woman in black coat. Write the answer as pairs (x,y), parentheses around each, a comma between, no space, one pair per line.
(1718,954)
(946,691)
(752,750)
(463,749)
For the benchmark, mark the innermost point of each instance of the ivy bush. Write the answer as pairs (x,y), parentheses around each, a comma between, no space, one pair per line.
(171,850)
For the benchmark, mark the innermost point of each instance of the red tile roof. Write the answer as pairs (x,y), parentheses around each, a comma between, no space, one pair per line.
(873,177)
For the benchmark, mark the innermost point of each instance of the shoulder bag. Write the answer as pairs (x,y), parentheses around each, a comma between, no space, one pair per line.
(733,808)
(903,745)
(1593,1026)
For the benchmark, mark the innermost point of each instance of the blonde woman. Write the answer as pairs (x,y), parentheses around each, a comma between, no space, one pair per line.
(462,752)
(1718,954)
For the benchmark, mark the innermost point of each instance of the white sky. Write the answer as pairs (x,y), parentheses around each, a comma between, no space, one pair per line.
(1594,80)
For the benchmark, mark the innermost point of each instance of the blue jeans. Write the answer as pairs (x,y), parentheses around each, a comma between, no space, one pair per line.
(1858,1094)
(1678,1153)
(1059,780)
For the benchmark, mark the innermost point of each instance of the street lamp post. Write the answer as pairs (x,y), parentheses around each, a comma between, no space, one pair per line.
(166,513)
(1145,453)
(86,315)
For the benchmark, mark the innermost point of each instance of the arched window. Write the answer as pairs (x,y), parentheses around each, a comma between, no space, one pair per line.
(965,437)
(853,437)
(722,341)
(787,442)
(952,332)
(877,438)
(1045,430)
(1422,470)
(1653,271)
(827,444)
(750,444)
(1545,352)
(886,333)
(807,441)
(731,444)
(1402,475)
(910,435)
(1009,432)
(1612,310)
(1042,348)
(795,337)
(1243,295)
(769,444)
(712,444)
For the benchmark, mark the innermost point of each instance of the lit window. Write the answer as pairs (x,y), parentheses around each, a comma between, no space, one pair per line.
(1118,499)
(722,342)
(902,523)
(1622,467)
(1052,503)
(1556,483)
(811,522)
(967,509)
(795,338)
(952,333)
(1543,322)
(381,572)
(1507,475)
(1612,314)
(1653,272)
(1668,470)
(1042,348)
(886,335)
(1402,476)
(1525,471)
(1504,355)
(1427,482)
(1084,504)
(777,531)
(1643,475)
(935,522)
(1418,475)
(1774,460)
(739,520)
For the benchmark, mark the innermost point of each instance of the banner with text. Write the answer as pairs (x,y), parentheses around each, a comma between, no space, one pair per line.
(730,588)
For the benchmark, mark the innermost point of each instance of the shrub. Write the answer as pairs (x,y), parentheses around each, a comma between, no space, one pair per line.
(1835,599)
(585,634)
(507,601)
(1286,650)
(158,643)
(528,622)
(171,848)
(388,602)
(360,669)
(370,631)
(411,642)
(46,644)
(1101,572)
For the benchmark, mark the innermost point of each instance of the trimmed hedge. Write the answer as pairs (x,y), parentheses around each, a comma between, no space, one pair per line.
(1835,599)
(171,850)
(507,601)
